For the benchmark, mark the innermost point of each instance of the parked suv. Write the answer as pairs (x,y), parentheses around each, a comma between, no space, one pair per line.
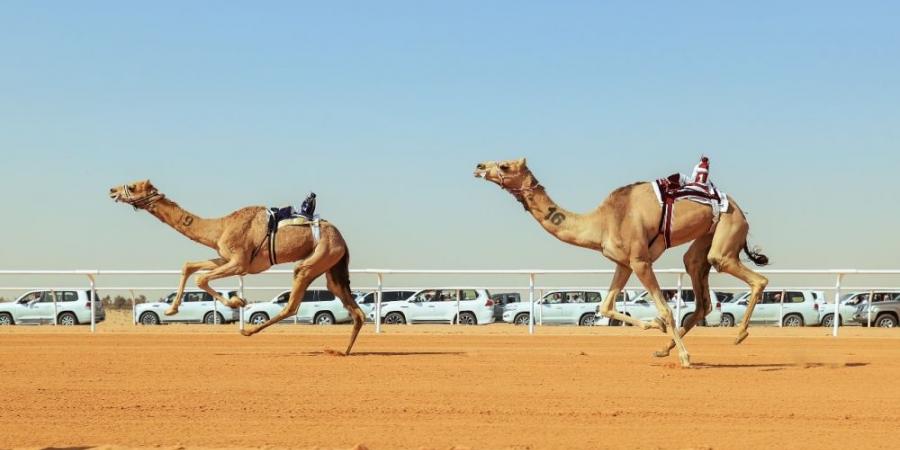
(319,306)
(196,307)
(800,308)
(885,310)
(501,301)
(366,301)
(849,304)
(576,307)
(440,305)
(644,308)
(73,307)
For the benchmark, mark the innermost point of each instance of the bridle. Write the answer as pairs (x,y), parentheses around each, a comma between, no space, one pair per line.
(519,193)
(145,202)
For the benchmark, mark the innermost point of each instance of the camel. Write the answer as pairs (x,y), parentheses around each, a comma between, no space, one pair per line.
(623,229)
(241,239)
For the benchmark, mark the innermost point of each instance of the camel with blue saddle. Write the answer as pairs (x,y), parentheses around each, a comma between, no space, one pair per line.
(251,240)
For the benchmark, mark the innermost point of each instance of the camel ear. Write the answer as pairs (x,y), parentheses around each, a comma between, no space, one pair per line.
(522,162)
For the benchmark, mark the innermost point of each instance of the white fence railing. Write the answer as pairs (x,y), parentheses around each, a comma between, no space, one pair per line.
(380,274)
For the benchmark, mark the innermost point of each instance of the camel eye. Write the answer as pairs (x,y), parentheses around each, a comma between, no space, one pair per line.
(504,167)
(132,187)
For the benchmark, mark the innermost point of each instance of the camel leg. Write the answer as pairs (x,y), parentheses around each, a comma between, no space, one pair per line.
(644,270)
(304,274)
(342,291)
(697,265)
(730,237)
(187,270)
(756,282)
(607,308)
(229,269)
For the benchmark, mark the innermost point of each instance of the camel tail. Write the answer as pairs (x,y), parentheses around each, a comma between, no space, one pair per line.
(758,258)
(340,273)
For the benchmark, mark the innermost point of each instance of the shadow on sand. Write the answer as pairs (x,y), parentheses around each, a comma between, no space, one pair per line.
(776,366)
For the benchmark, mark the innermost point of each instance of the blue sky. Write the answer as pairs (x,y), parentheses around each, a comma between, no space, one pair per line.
(384,108)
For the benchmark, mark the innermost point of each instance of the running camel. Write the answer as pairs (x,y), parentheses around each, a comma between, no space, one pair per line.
(241,240)
(624,229)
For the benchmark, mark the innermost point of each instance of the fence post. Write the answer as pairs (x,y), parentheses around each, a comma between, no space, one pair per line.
(55,309)
(378,303)
(93,305)
(531,299)
(216,311)
(458,292)
(133,308)
(837,301)
(781,310)
(678,301)
(241,310)
(869,310)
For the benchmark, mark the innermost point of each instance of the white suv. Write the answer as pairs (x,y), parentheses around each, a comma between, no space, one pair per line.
(578,307)
(644,308)
(73,307)
(798,309)
(475,307)
(196,307)
(319,306)
(366,301)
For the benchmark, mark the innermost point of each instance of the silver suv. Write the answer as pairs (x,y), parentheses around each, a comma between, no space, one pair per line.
(885,310)
(73,307)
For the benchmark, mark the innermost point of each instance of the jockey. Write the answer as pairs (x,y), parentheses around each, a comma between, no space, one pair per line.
(701,172)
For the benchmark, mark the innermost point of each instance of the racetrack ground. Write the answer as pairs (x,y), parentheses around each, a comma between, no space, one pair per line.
(431,386)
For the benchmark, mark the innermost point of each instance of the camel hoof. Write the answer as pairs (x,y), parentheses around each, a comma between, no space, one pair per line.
(247,333)
(661,353)
(740,337)
(171,311)
(685,359)
(237,302)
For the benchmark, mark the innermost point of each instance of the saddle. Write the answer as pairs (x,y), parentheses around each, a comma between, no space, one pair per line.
(287,216)
(676,187)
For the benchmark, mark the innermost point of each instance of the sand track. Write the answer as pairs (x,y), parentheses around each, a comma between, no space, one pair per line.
(443,386)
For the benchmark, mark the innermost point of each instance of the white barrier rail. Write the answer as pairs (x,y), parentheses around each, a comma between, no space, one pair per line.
(839,275)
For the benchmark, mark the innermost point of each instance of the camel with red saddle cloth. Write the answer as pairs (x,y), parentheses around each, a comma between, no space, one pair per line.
(625,229)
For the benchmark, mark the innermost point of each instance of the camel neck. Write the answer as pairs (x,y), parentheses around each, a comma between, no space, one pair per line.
(195,228)
(567,226)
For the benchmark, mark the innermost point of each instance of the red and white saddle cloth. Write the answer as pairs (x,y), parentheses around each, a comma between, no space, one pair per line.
(678,187)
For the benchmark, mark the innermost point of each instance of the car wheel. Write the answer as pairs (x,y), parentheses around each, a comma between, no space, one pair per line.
(521,319)
(828,321)
(259,318)
(6,319)
(792,320)
(886,321)
(149,318)
(727,320)
(615,323)
(394,318)
(210,318)
(587,320)
(467,318)
(323,318)
(67,319)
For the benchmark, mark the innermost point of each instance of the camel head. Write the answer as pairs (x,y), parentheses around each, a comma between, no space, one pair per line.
(140,194)
(512,175)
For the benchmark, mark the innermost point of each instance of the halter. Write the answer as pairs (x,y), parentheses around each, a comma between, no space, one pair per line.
(519,193)
(145,202)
